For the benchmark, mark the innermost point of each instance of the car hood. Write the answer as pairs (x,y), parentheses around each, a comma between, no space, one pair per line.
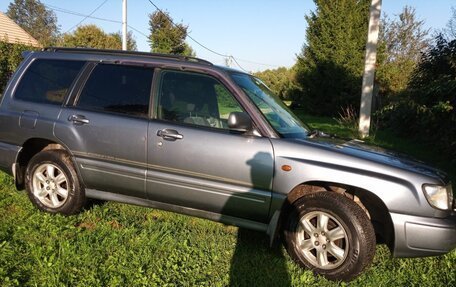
(362,150)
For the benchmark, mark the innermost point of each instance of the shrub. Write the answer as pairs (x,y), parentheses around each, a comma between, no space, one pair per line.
(10,57)
(426,110)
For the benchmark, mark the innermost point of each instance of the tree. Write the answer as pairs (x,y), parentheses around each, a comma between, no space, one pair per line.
(36,19)
(401,43)
(425,111)
(330,65)
(91,36)
(131,42)
(281,81)
(450,30)
(166,37)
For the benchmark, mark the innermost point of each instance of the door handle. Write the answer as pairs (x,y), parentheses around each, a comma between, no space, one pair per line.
(169,134)
(78,119)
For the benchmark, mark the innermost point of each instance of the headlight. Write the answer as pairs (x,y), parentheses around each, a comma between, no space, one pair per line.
(438,196)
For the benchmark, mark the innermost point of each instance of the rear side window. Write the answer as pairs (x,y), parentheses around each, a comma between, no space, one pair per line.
(47,81)
(118,89)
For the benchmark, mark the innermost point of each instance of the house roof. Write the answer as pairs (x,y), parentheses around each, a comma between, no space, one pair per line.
(12,33)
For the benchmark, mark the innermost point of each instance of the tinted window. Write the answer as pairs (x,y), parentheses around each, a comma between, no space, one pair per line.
(195,99)
(119,89)
(47,81)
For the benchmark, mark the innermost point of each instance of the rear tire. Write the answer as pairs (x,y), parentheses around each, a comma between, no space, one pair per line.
(330,234)
(52,183)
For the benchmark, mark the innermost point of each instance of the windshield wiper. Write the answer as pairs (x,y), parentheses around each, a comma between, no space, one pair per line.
(319,134)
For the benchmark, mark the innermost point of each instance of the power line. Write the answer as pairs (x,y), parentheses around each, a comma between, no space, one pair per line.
(257,63)
(58,9)
(138,31)
(210,50)
(66,11)
(194,40)
(95,10)
(234,59)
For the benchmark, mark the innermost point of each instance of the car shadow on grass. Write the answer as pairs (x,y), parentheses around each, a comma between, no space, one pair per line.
(254,263)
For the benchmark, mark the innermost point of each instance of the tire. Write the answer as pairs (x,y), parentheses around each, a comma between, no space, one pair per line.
(52,183)
(329,234)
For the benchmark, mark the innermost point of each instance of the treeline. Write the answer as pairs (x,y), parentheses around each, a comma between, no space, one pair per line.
(415,83)
(425,109)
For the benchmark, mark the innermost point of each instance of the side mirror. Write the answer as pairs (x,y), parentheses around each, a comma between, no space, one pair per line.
(239,121)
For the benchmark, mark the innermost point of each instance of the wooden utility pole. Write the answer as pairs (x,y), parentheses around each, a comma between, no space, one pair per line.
(369,69)
(124,25)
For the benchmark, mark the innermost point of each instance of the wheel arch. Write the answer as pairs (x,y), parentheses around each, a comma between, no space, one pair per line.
(30,148)
(367,200)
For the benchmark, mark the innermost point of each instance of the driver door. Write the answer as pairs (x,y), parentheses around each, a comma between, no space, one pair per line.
(195,161)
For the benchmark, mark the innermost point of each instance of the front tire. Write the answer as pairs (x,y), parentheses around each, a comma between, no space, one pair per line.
(330,234)
(52,183)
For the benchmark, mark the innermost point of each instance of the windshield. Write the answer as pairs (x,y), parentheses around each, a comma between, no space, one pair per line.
(274,110)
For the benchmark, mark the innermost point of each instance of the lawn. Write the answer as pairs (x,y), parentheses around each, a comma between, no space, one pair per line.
(113,244)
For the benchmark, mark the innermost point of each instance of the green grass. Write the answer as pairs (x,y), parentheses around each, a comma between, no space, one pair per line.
(113,244)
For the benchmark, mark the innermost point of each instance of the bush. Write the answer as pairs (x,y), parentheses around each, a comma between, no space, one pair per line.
(10,57)
(426,110)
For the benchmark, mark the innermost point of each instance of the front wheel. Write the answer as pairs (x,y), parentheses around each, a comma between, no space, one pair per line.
(330,234)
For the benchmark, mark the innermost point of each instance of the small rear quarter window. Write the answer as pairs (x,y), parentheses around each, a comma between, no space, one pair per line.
(47,81)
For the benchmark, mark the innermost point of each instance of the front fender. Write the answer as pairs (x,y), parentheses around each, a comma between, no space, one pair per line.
(399,189)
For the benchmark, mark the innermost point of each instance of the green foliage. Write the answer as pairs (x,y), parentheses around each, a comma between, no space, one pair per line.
(131,42)
(10,58)
(167,38)
(330,65)
(450,30)
(401,42)
(426,110)
(224,97)
(348,117)
(281,81)
(92,36)
(36,19)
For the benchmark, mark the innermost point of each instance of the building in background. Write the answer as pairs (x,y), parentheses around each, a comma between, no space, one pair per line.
(11,32)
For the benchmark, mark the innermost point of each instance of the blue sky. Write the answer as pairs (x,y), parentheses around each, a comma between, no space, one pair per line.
(260,34)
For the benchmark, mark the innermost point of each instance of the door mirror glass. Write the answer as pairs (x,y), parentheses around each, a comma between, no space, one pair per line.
(239,121)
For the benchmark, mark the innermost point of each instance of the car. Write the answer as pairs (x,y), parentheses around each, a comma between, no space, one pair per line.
(181,134)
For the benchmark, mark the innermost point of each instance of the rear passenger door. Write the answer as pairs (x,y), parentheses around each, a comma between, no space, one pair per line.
(105,126)
(37,99)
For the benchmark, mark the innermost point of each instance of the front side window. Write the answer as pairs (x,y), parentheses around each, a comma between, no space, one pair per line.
(118,89)
(195,99)
(48,81)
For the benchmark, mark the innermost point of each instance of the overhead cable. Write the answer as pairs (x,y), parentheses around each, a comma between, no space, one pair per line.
(91,13)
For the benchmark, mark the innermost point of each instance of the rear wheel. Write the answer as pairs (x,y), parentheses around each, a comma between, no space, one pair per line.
(52,183)
(330,234)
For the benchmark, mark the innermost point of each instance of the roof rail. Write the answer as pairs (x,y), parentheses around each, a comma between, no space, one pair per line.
(130,53)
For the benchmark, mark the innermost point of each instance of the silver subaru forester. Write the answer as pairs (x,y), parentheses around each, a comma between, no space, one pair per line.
(180,134)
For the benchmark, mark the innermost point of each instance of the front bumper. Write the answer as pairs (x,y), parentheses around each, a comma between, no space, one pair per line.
(416,236)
